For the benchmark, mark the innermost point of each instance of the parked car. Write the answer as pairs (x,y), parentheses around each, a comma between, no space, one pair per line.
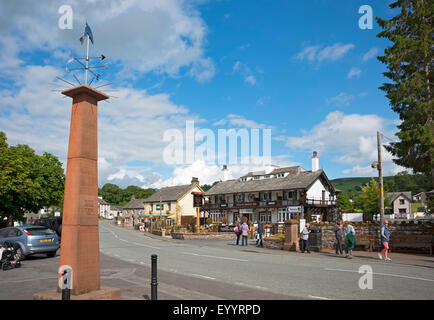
(31,240)
(54,224)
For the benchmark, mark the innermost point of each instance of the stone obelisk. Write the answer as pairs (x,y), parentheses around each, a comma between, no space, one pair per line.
(80,238)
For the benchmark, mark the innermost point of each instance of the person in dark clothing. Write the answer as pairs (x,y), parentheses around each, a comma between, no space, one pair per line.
(238,232)
(339,233)
(260,231)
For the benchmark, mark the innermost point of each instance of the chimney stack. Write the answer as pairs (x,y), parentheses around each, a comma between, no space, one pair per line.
(225,172)
(194,180)
(315,162)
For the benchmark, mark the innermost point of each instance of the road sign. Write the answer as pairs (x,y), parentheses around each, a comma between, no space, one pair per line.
(293,209)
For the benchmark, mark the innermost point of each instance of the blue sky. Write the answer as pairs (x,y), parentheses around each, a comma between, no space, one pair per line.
(303,69)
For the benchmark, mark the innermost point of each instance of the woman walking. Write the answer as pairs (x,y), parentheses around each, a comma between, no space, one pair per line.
(245,233)
(385,237)
(350,239)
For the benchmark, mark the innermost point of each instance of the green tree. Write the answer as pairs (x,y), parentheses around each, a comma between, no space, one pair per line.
(409,62)
(370,197)
(344,203)
(28,182)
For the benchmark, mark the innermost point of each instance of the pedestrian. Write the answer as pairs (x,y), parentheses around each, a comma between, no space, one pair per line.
(260,231)
(245,233)
(305,239)
(385,238)
(339,234)
(350,239)
(238,232)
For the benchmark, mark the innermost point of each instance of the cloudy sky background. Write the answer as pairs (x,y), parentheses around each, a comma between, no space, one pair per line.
(304,70)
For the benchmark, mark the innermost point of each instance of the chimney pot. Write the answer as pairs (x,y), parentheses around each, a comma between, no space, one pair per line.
(315,162)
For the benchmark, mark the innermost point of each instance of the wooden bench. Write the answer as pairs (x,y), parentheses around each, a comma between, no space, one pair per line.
(411,242)
(367,241)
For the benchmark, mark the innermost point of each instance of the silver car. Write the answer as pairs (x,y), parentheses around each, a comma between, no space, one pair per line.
(31,239)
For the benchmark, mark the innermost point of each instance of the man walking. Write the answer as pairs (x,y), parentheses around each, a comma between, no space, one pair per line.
(339,233)
(305,239)
(385,238)
(238,232)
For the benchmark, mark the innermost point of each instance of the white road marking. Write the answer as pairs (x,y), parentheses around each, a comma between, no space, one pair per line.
(316,297)
(384,274)
(215,257)
(201,276)
(138,244)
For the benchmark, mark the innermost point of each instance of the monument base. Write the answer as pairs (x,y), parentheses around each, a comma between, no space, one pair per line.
(291,246)
(105,293)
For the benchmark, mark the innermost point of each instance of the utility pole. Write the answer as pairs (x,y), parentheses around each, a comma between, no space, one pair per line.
(379,167)
(380,176)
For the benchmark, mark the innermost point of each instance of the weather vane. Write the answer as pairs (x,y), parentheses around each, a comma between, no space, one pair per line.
(84,61)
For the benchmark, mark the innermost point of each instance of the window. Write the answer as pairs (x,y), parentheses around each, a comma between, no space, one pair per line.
(266,217)
(39,231)
(4,233)
(401,201)
(402,210)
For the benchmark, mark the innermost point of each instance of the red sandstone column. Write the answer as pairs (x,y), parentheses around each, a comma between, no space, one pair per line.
(80,237)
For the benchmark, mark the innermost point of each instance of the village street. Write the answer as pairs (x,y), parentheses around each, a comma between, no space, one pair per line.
(290,274)
(214,270)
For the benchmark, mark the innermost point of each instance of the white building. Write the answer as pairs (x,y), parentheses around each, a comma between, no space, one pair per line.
(104,209)
(274,195)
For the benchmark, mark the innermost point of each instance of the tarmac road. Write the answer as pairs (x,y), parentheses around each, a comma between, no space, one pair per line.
(214,270)
(290,274)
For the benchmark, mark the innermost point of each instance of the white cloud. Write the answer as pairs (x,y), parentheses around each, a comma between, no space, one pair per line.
(352,137)
(354,72)
(370,54)
(245,71)
(239,121)
(142,35)
(261,101)
(209,173)
(341,100)
(318,53)
(131,128)
(250,80)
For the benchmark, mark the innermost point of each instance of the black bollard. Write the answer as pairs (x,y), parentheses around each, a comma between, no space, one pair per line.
(66,294)
(154,282)
(66,291)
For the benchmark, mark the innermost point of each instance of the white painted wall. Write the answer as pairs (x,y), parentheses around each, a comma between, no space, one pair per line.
(315,191)
(186,204)
(353,217)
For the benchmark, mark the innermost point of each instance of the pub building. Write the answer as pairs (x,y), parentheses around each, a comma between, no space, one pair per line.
(274,196)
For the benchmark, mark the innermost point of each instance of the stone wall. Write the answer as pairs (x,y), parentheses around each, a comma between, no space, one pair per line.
(404,237)
(205,236)
(273,243)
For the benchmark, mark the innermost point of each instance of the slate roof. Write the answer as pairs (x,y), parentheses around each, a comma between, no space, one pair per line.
(169,193)
(393,195)
(103,202)
(135,204)
(296,179)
